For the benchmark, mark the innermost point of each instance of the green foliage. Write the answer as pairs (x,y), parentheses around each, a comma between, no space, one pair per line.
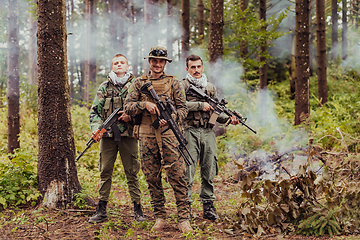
(18,180)
(252,31)
(318,225)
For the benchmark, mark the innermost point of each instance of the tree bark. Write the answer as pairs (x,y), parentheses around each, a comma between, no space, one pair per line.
(150,20)
(302,107)
(169,33)
(216,30)
(334,27)
(185,25)
(57,173)
(72,65)
(263,69)
(201,21)
(321,51)
(134,50)
(90,48)
(243,45)
(33,70)
(344,30)
(13,91)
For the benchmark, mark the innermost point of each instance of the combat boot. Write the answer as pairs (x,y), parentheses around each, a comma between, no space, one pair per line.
(100,215)
(185,227)
(209,211)
(159,225)
(138,213)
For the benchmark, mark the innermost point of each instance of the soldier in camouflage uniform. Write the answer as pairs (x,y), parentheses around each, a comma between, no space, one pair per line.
(158,151)
(201,136)
(110,96)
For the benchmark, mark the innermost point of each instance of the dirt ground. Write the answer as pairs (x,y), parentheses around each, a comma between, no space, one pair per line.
(41,223)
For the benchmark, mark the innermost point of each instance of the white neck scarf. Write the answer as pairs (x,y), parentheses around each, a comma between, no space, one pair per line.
(117,80)
(198,82)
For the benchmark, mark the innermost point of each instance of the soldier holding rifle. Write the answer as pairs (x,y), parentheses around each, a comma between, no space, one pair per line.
(158,150)
(110,96)
(200,134)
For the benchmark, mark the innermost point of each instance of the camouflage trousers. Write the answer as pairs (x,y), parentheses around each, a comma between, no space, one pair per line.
(202,147)
(174,167)
(128,149)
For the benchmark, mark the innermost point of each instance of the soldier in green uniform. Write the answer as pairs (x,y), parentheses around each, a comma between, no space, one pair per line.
(201,136)
(158,151)
(110,96)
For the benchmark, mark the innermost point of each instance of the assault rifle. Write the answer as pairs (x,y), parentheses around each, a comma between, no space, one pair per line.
(165,113)
(109,125)
(218,107)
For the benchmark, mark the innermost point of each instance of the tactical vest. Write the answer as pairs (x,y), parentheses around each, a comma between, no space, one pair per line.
(198,118)
(114,98)
(163,88)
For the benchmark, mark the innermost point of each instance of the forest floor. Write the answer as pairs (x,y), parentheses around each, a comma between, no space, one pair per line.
(42,223)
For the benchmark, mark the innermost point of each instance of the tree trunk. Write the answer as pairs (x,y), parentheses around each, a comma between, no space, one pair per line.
(321,51)
(292,68)
(150,20)
(312,55)
(134,49)
(344,30)
(121,26)
(90,48)
(216,30)
(169,33)
(263,68)
(71,49)
(57,173)
(216,48)
(243,45)
(302,107)
(334,26)
(33,70)
(13,92)
(201,21)
(185,25)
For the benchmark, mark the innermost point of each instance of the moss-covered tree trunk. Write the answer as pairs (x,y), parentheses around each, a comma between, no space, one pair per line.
(302,107)
(57,173)
(321,51)
(13,91)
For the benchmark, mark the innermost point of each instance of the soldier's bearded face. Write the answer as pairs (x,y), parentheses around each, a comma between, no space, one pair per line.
(195,68)
(157,65)
(120,66)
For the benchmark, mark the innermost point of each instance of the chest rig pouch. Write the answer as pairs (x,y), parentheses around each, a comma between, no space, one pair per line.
(163,88)
(199,118)
(113,100)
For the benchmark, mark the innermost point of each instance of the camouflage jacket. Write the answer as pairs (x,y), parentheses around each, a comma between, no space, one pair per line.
(106,94)
(135,100)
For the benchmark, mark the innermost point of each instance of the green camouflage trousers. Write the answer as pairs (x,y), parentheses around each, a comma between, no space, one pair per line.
(128,149)
(202,147)
(175,171)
